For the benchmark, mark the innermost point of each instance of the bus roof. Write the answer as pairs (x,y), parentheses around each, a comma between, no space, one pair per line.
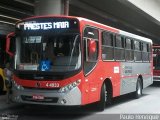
(119,31)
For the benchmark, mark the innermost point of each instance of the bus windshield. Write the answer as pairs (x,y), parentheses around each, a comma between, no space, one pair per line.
(54,53)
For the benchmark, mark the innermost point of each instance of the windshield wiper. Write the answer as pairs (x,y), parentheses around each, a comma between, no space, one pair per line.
(74,44)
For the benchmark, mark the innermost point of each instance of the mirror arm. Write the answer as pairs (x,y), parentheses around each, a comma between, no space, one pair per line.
(8,39)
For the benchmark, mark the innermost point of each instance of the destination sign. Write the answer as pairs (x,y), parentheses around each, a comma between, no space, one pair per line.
(46,25)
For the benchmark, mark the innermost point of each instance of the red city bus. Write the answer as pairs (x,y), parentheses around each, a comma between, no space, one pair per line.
(156,63)
(64,60)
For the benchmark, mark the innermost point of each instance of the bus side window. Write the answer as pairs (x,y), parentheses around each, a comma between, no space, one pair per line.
(137,51)
(107,46)
(90,37)
(91,42)
(129,49)
(150,51)
(145,55)
(119,48)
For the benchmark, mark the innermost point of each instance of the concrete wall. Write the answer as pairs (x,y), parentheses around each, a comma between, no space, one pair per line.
(6,29)
(151,7)
(49,7)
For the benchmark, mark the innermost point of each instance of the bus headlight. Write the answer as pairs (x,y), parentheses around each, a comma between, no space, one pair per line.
(70,86)
(18,87)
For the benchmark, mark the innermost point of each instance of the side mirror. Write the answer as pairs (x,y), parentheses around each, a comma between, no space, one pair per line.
(10,40)
(91,46)
(91,50)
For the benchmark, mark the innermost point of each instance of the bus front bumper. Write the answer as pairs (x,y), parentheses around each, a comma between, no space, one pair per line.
(47,97)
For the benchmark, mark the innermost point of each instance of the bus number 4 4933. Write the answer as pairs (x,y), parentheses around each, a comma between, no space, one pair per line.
(52,85)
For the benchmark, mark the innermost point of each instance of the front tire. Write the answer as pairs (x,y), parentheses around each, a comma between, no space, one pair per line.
(100,106)
(138,93)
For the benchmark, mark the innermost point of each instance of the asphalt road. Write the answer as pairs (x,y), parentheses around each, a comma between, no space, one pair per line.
(148,104)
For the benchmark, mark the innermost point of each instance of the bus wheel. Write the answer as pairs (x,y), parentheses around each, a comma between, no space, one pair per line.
(1,84)
(138,92)
(100,106)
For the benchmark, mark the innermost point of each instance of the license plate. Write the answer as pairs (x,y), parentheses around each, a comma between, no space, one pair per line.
(38,97)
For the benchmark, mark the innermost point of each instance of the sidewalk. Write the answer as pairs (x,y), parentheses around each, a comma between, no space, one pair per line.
(4,105)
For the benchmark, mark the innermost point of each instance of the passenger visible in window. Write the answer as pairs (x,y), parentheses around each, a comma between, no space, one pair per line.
(62,48)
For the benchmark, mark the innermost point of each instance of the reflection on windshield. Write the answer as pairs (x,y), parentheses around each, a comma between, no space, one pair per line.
(156,61)
(48,53)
